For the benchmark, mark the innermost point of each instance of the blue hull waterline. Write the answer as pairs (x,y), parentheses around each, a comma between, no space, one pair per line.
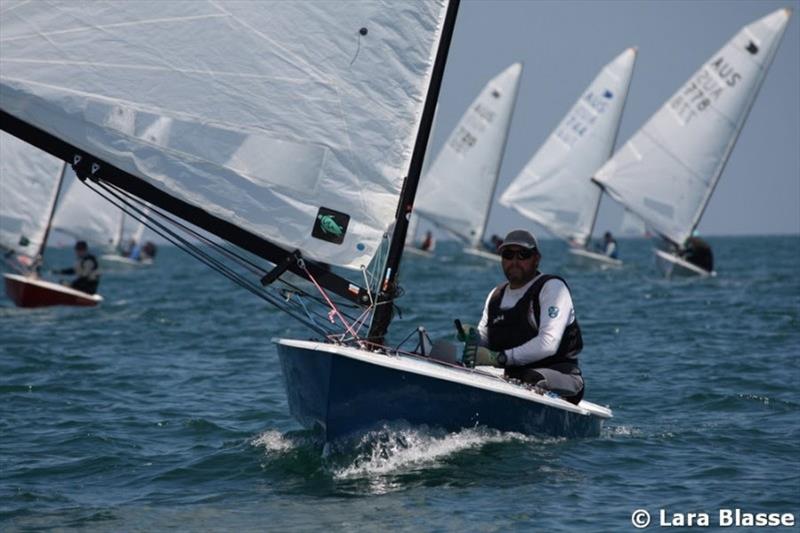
(341,390)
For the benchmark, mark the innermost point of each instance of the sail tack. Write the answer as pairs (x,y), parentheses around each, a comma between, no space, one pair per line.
(294,121)
(29,181)
(667,171)
(457,191)
(554,188)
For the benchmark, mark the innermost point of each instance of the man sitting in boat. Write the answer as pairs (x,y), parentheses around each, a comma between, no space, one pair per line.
(610,245)
(149,251)
(528,324)
(698,252)
(428,243)
(86,269)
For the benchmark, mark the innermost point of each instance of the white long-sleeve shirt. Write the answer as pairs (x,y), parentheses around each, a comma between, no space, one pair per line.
(556,314)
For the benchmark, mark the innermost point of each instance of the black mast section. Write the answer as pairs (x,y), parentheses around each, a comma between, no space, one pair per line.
(383,311)
(88,166)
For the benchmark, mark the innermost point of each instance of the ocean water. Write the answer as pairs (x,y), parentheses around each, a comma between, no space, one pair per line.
(165,409)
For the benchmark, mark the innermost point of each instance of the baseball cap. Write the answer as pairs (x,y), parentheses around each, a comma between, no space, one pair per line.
(521,238)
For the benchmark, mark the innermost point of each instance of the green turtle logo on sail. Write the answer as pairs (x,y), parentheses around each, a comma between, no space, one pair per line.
(330,225)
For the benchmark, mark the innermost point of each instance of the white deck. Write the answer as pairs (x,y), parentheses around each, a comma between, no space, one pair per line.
(417,252)
(121,259)
(594,257)
(56,287)
(485,378)
(482,254)
(671,264)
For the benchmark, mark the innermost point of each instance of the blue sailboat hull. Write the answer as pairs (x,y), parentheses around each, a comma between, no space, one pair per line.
(339,395)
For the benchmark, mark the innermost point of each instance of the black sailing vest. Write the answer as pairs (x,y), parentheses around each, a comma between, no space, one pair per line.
(509,328)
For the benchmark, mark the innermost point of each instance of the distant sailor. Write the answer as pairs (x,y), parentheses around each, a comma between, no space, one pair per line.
(428,243)
(528,324)
(610,245)
(86,269)
(698,252)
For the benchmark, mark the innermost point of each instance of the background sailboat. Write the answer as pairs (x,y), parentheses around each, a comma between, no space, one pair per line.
(457,192)
(554,189)
(30,180)
(667,172)
(295,148)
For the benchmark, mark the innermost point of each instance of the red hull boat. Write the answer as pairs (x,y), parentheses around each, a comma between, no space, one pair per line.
(33,292)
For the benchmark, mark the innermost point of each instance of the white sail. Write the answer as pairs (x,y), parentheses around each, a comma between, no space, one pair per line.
(632,225)
(554,188)
(273,115)
(667,171)
(29,181)
(457,191)
(85,215)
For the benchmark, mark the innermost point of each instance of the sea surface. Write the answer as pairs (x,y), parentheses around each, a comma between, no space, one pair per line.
(164,408)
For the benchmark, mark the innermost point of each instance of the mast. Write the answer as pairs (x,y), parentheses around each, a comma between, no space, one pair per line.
(383,310)
(40,251)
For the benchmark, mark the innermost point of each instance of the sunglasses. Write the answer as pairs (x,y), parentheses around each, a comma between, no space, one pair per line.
(519,254)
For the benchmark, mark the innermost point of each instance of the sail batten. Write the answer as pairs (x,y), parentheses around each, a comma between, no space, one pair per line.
(667,172)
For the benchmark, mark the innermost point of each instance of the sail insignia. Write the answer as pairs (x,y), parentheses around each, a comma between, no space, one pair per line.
(330,225)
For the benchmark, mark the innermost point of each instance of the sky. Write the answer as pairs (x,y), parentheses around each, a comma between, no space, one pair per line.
(564,44)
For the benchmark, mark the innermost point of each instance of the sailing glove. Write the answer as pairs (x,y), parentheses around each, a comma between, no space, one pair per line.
(487,357)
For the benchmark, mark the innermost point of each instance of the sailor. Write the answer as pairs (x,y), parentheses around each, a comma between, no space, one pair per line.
(86,269)
(149,251)
(428,243)
(698,252)
(528,325)
(610,245)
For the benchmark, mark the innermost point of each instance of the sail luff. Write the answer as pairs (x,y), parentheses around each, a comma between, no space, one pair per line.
(383,311)
(52,212)
(86,166)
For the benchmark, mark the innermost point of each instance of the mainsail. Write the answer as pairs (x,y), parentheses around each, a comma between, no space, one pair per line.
(457,192)
(667,171)
(554,188)
(29,184)
(279,126)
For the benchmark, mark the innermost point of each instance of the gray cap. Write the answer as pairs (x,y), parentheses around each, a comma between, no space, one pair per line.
(520,237)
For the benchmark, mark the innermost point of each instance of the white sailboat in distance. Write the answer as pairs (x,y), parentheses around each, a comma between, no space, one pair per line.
(667,171)
(456,193)
(298,133)
(555,189)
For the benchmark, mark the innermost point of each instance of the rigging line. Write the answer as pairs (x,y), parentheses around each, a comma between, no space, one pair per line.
(229,253)
(302,264)
(183,244)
